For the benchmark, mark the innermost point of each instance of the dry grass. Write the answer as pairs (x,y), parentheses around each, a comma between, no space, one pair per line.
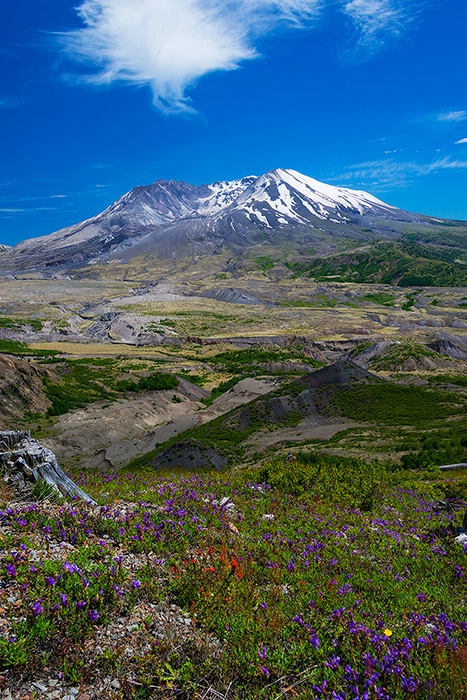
(6,494)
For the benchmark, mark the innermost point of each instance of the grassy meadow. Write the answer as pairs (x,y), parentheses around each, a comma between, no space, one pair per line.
(307,577)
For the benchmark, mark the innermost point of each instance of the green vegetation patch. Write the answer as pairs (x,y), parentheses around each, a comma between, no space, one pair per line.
(382,298)
(457,379)
(441,445)
(396,404)
(16,347)
(265,262)
(88,380)
(399,353)
(239,361)
(19,323)
(404,263)
(352,482)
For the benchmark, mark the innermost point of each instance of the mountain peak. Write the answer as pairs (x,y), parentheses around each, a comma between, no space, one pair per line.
(172,219)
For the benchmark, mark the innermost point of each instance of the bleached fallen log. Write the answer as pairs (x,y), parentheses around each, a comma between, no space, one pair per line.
(24,461)
(461,465)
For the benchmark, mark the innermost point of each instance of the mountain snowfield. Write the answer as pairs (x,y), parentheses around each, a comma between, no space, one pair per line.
(171,220)
(279,197)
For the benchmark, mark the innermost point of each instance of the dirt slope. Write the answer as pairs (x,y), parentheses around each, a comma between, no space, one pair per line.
(21,389)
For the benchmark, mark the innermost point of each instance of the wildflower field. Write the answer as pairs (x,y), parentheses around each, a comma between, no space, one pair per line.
(306,578)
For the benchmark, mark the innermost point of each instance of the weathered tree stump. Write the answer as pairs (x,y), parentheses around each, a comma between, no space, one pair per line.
(24,461)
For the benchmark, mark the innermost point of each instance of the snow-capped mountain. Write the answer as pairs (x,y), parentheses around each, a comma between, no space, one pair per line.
(176,220)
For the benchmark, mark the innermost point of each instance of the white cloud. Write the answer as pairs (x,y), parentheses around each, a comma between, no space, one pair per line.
(379,21)
(454,116)
(388,173)
(170,44)
(20,210)
(462,141)
(374,18)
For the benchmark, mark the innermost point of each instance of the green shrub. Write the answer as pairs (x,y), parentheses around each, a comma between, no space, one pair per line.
(349,482)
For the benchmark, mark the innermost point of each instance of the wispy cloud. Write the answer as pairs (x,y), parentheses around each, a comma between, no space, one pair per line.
(453,116)
(378,20)
(20,210)
(11,102)
(388,173)
(461,141)
(170,44)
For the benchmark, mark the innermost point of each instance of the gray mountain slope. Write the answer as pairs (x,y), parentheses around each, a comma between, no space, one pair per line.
(176,223)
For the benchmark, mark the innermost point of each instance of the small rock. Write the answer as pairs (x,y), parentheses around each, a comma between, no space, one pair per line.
(461,539)
(268,516)
(74,691)
(53,682)
(115,684)
(40,686)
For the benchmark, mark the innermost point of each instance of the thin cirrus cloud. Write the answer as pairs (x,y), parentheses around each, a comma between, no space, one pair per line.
(170,44)
(375,20)
(461,141)
(388,173)
(453,116)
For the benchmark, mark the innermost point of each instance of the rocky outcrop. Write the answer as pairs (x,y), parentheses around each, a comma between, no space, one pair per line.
(455,347)
(21,389)
(24,462)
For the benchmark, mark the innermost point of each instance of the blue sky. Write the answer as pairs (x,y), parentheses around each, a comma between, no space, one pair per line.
(98,96)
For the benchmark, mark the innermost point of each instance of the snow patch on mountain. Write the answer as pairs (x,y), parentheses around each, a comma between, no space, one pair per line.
(295,196)
(223,195)
(275,200)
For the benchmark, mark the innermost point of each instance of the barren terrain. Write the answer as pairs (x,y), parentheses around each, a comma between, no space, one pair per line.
(182,327)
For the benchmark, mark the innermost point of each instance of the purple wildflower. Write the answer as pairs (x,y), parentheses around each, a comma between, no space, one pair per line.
(93,615)
(135,584)
(11,570)
(262,653)
(298,619)
(37,608)
(314,640)
(333,663)
(80,604)
(71,568)
(408,684)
